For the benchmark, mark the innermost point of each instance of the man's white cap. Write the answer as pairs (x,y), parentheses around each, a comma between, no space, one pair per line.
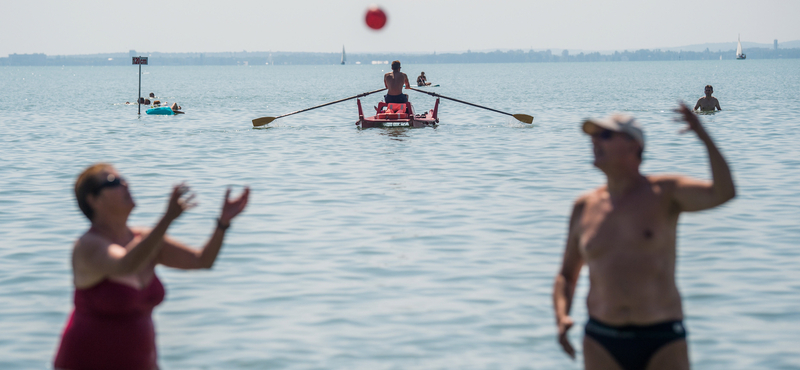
(616,122)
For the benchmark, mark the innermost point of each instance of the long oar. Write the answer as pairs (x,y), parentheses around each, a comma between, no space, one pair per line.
(265,120)
(520,117)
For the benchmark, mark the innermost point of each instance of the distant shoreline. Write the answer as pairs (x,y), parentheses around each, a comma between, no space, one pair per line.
(301,58)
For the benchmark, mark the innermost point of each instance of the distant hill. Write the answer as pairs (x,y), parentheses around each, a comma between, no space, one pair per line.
(725,46)
(720,51)
(714,47)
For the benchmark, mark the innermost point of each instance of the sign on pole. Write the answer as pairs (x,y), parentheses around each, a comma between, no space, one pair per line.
(140,61)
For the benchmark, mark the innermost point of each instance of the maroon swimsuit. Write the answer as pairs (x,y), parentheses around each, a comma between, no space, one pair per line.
(111,328)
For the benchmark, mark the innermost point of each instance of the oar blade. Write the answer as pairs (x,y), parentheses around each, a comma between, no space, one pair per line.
(520,117)
(262,121)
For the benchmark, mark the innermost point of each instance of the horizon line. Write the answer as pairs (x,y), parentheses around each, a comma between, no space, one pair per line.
(606,51)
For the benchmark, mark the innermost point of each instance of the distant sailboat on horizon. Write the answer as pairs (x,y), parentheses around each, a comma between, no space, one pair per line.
(344,59)
(739,54)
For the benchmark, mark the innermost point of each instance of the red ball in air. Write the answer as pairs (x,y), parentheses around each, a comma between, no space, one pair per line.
(376,18)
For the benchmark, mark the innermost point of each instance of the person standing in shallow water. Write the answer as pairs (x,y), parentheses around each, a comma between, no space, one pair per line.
(708,103)
(625,232)
(113,268)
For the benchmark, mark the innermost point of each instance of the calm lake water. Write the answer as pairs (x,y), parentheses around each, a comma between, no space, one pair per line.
(396,248)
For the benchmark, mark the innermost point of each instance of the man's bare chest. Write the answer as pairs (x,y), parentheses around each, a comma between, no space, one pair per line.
(706,103)
(637,224)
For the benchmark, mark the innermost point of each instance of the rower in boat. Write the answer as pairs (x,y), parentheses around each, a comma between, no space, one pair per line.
(422,80)
(394,82)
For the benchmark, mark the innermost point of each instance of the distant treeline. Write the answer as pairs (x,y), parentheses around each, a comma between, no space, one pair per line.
(286,58)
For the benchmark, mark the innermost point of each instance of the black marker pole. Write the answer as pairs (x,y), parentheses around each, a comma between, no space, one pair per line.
(139,101)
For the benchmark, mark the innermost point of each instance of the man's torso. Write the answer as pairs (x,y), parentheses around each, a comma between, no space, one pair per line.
(707,103)
(629,246)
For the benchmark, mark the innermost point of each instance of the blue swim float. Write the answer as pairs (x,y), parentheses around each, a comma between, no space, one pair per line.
(166,111)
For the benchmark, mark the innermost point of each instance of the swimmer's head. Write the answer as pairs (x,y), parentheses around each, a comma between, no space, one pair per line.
(396,65)
(709,88)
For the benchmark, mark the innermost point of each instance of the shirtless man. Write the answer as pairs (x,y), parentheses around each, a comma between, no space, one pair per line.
(394,82)
(708,102)
(625,232)
(422,80)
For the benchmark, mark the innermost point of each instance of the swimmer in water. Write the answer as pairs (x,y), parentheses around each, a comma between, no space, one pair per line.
(176,109)
(708,103)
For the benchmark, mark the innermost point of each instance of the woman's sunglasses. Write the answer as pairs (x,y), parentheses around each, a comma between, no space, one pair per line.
(111,182)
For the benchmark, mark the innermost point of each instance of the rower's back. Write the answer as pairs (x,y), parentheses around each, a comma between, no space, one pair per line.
(395,80)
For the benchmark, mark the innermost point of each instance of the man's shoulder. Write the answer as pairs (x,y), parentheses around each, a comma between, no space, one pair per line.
(590,196)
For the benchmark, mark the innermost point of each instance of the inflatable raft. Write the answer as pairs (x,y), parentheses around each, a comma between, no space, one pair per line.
(164,111)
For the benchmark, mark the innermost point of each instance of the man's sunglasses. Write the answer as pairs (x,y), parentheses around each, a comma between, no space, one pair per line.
(604,134)
(111,182)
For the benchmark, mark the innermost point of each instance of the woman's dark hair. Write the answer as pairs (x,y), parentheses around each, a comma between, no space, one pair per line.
(86,184)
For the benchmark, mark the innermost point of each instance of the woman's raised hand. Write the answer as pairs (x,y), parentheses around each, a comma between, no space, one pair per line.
(231,208)
(178,203)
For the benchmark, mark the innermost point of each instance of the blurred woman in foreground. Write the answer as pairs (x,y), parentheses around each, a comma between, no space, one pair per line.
(113,268)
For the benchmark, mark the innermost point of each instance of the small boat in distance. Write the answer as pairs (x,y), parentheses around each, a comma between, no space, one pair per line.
(739,54)
(344,59)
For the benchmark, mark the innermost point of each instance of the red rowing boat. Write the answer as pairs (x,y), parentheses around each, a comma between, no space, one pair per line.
(397,114)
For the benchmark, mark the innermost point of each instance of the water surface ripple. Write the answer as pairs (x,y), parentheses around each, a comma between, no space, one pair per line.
(395,248)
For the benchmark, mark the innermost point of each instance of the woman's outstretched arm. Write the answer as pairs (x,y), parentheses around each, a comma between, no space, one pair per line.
(178,255)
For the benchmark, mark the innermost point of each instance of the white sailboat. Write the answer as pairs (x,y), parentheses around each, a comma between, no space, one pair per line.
(739,54)
(344,59)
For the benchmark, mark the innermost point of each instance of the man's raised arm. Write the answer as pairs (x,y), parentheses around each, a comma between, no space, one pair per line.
(696,195)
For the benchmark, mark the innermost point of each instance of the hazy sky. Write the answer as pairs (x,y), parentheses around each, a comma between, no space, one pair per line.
(101,26)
